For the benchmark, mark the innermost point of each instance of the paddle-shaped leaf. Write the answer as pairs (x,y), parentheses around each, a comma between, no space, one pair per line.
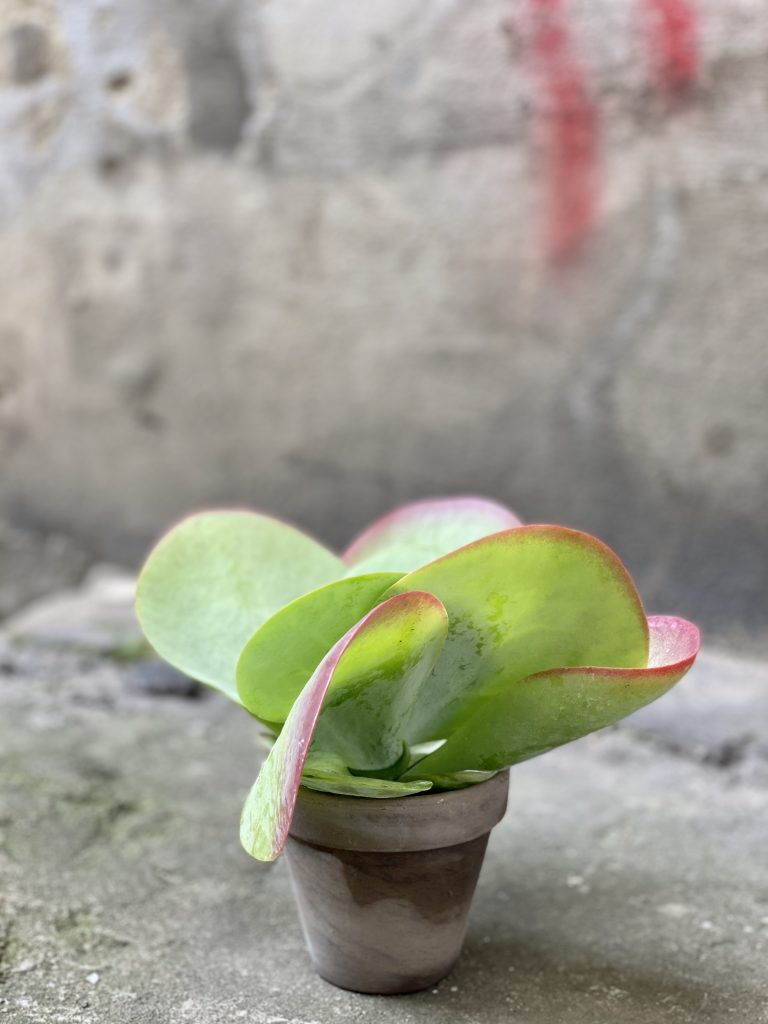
(214,578)
(283,653)
(415,534)
(519,602)
(417,621)
(517,721)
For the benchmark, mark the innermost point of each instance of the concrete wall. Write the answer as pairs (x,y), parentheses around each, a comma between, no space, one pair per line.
(292,253)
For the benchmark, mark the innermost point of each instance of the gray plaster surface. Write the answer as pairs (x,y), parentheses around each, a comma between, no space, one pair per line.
(628,881)
(32,566)
(290,254)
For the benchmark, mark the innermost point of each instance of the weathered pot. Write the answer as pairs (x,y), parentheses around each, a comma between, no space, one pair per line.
(384,887)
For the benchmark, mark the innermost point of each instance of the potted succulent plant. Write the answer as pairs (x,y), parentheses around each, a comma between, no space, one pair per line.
(396,684)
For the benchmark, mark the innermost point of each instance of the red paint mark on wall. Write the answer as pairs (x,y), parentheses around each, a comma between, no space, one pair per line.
(566,114)
(674,43)
(568,120)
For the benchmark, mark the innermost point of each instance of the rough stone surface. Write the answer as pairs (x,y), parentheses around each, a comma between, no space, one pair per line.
(733,736)
(628,881)
(289,253)
(96,616)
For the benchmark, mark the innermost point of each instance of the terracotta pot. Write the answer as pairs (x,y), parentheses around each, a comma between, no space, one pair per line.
(384,887)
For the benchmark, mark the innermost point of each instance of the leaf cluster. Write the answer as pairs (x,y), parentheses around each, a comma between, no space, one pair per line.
(447,642)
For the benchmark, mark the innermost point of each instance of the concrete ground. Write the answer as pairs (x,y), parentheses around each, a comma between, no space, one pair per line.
(628,881)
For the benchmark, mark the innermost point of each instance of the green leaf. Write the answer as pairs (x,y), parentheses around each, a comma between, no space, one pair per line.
(328,774)
(416,622)
(529,716)
(320,763)
(370,701)
(519,602)
(415,534)
(356,785)
(458,780)
(391,771)
(282,654)
(214,578)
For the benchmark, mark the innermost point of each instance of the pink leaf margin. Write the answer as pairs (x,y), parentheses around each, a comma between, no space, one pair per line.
(560,534)
(674,645)
(672,649)
(268,810)
(463,506)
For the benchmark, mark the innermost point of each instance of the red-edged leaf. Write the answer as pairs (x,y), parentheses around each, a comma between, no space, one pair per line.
(399,638)
(544,710)
(280,657)
(415,534)
(523,601)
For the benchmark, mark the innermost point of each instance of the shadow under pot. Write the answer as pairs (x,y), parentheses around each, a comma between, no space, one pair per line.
(384,887)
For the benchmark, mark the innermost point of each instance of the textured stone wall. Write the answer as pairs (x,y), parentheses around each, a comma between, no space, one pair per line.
(294,253)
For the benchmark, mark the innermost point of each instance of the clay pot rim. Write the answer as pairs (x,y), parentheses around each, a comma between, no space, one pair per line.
(424,821)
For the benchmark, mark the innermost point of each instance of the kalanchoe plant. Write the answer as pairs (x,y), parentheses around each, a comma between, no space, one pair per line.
(447,642)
